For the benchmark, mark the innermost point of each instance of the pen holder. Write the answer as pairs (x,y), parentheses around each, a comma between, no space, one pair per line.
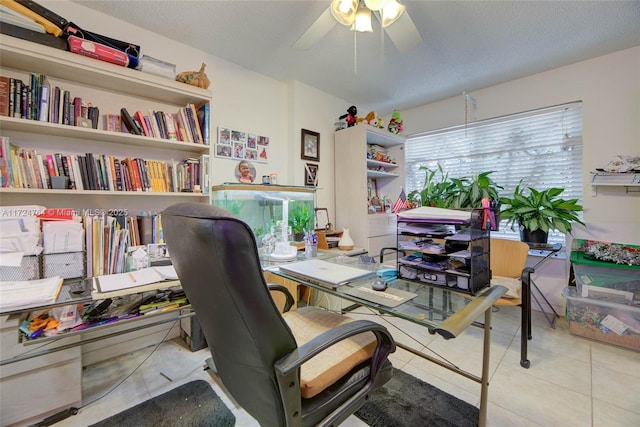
(310,250)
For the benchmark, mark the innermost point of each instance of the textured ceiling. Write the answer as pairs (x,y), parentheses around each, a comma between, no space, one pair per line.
(467,45)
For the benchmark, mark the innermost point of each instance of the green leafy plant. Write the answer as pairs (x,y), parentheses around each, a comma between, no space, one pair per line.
(434,190)
(540,209)
(300,218)
(441,191)
(468,192)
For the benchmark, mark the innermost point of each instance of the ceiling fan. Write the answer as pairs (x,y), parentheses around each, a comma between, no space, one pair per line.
(356,15)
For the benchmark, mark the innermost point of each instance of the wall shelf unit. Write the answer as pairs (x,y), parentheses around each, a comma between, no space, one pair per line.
(109,87)
(353,166)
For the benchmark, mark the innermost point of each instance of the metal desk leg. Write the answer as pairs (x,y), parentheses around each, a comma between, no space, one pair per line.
(525,327)
(552,321)
(484,381)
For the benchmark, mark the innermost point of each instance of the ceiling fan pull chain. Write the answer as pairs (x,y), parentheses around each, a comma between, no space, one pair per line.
(381,42)
(355,52)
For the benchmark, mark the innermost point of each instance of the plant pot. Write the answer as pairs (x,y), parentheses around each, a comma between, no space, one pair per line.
(529,236)
(298,237)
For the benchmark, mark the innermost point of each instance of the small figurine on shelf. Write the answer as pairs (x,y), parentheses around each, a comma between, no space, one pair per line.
(351,116)
(395,124)
(366,119)
(195,78)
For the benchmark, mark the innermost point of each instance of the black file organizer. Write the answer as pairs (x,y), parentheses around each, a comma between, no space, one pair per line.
(465,264)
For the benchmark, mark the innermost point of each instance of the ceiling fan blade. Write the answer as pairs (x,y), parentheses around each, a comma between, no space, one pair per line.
(316,31)
(404,33)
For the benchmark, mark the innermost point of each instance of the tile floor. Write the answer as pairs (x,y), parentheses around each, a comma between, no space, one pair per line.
(572,381)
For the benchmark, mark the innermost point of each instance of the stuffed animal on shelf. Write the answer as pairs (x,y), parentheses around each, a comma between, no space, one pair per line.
(367,119)
(351,117)
(195,78)
(395,124)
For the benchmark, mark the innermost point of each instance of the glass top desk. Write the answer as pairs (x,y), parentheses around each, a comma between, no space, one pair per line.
(445,312)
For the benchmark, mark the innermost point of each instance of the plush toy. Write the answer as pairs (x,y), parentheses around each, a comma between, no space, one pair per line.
(368,119)
(195,78)
(395,124)
(351,117)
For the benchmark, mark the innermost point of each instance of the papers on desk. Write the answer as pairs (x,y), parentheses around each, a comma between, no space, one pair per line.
(116,282)
(29,293)
(62,237)
(143,280)
(436,214)
(19,235)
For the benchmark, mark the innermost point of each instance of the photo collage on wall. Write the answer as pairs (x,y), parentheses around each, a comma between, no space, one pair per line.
(240,145)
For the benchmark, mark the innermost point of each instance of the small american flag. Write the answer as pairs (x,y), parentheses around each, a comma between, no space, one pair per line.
(401,203)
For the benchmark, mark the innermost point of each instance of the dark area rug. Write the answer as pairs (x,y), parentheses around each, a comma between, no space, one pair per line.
(192,404)
(405,401)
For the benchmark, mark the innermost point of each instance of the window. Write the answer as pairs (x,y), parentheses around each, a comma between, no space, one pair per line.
(543,147)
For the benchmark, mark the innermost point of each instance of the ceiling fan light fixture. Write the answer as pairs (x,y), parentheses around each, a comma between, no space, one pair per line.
(391,11)
(375,4)
(344,11)
(362,22)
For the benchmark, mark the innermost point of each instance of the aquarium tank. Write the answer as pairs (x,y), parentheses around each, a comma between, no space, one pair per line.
(261,207)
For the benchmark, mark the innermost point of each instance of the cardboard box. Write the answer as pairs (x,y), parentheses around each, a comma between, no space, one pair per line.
(609,322)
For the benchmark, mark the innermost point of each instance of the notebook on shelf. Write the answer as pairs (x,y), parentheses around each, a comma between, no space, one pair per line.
(324,273)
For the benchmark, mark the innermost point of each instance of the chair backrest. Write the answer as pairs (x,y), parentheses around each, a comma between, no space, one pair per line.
(508,257)
(216,258)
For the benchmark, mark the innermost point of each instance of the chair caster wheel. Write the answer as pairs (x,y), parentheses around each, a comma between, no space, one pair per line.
(525,363)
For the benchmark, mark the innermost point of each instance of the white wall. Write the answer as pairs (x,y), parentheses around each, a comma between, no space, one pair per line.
(608,86)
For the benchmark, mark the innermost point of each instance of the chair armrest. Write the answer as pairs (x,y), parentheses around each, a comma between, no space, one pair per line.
(288,297)
(460,320)
(288,366)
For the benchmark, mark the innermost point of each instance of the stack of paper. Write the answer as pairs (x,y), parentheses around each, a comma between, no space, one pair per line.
(29,293)
(439,214)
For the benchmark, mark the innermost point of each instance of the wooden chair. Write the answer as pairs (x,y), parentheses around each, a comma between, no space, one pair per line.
(509,268)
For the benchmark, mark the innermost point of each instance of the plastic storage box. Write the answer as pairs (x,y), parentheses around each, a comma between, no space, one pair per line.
(609,322)
(591,273)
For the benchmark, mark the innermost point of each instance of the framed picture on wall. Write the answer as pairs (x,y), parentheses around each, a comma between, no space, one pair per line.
(310,145)
(311,174)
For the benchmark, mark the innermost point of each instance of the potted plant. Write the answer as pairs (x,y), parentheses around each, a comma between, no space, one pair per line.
(441,191)
(538,211)
(300,219)
(468,192)
(434,190)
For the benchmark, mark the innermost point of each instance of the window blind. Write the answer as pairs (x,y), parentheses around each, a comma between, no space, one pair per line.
(542,147)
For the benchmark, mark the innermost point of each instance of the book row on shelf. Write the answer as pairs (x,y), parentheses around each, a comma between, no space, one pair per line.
(37,100)
(43,102)
(26,168)
(189,124)
(120,243)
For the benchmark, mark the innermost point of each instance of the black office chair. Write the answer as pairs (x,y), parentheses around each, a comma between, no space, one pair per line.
(301,368)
